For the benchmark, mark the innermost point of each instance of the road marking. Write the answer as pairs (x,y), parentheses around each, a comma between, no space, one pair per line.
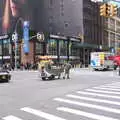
(114,83)
(41,114)
(85,114)
(11,118)
(93,99)
(96,94)
(104,88)
(102,91)
(110,86)
(88,105)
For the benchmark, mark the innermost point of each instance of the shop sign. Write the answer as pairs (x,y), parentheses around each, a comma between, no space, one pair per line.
(4,37)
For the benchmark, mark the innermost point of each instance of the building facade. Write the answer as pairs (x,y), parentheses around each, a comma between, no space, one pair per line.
(72,30)
(112,34)
(73,18)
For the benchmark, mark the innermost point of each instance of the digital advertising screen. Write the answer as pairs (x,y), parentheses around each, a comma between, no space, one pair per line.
(12,14)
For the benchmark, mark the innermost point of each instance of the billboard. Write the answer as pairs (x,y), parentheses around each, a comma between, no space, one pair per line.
(12,15)
(26,37)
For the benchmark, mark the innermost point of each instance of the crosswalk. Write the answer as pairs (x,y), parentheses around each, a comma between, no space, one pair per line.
(96,103)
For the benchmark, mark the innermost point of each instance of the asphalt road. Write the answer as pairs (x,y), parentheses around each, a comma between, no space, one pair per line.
(88,95)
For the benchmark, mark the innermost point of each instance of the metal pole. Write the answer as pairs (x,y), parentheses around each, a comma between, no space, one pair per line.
(15,51)
(109,40)
(119,71)
(115,37)
(15,39)
(2,52)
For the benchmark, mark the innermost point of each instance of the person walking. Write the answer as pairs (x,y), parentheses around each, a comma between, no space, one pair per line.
(67,68)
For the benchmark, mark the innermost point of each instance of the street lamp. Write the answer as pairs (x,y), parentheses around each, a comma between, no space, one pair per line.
(15,39)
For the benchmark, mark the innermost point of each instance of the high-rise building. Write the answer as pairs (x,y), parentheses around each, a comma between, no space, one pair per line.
(73,18)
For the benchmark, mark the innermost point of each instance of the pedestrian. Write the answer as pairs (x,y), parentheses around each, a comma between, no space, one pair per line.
(67,68)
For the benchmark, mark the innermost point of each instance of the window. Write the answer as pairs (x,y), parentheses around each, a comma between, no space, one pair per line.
(118,23)
(39,48)
(62,8)
(0,47)
(51,2)
(63,47)
(6,47)
(52,47)
(66,24)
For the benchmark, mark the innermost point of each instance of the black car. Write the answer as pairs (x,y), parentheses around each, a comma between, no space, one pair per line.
(5,75)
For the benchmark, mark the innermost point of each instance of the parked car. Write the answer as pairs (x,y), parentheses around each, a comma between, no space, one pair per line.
(5,75)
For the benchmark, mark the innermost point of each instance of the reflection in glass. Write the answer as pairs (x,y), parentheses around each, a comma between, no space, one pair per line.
(39,48)
(52,47)
(63,47)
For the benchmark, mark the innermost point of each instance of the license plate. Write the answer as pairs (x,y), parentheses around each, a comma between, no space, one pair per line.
(3,77)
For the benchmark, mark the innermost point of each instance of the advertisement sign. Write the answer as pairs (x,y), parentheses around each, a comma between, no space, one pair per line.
(26,37)
(4,37)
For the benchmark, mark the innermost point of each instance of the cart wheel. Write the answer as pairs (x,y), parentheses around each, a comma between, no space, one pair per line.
(43,78)
(51,77)
(58,76)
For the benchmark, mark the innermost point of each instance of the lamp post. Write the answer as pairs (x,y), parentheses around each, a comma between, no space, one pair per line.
(15,40)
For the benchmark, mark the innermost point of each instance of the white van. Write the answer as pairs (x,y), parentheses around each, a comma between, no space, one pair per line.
(102,60)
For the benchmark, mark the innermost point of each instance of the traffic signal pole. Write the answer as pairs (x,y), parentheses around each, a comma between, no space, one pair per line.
(15,39)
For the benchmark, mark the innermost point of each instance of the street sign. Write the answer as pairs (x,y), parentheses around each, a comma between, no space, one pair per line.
(40,36)
(14,37)
(4,37)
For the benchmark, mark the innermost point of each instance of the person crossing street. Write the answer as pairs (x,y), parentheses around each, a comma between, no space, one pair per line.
(67,68)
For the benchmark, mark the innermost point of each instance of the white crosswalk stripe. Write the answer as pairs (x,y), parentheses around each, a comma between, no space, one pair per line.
(41,114)
(93,99)
(85,114)
(102,91)
(100,95)
(11,118)
(99,107)
(107,88)
(118,86)
(111,87)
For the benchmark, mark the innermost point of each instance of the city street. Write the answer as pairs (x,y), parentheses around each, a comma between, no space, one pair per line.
(88,95)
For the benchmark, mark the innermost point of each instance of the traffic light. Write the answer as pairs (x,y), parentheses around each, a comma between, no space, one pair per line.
(114,10)
(103,9)
(108,9)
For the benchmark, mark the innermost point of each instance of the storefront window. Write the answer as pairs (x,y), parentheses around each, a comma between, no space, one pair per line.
(6,47)
(75,51)
(39,48)
(52,47)
(63,47)
(0,47)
